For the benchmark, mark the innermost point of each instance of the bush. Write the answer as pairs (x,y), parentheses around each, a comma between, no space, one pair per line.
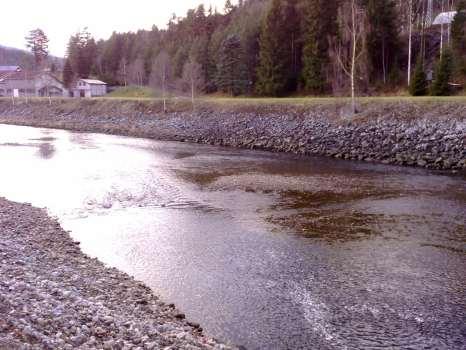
(443,75)
(418,86)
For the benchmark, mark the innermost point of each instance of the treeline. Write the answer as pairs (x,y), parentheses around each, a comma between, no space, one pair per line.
(281,47)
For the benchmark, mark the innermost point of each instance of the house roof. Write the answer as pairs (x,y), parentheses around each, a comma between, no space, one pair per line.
(444,18)
(93,82)
(24,75)
(10,68)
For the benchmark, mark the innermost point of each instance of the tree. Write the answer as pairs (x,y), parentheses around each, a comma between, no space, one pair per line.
(136,72)
(319,24)
(274,69)
(37,42)
(382,38)
(82,53)
(161,75)
(68,75)
(443,74)
(458,37)
(193,77)
(231,72)
(418,86)
(352,18)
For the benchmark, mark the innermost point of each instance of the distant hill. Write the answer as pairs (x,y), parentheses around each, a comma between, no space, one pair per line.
(12,56)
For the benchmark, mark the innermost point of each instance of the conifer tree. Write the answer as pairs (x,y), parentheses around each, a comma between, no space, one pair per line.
(231,72)
(443,74)
(382,39)
(274,69)
(418,86)
(319,26)
(68,75)
(38,41)
(458,37)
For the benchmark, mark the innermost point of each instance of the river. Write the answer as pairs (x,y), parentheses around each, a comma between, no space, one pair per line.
(268,251)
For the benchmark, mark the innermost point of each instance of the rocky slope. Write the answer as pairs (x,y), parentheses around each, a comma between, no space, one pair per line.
(424,134)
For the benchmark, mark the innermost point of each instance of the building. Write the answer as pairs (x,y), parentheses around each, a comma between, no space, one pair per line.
(444,18)
(17,82)
(89,88)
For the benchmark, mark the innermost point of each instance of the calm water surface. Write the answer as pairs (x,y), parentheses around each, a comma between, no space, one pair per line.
(266,251)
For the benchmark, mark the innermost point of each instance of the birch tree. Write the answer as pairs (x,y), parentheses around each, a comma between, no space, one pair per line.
(192,77)
(350,47)
(161,75)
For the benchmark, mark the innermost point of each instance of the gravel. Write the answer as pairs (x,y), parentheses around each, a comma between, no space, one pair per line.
(52,296)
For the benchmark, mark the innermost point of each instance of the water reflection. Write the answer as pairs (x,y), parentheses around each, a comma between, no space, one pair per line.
(268,251)
(46,150)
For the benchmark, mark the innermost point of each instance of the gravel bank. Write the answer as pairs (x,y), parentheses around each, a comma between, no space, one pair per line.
(425,134)
(52,296)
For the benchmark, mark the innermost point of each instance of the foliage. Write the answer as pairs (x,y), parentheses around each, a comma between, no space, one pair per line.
(68,75)
(37,42)
(82,52)
(231,74)
(418,86)
(443,74)
(458,37)
(275,71)
(382,38)
(320,26)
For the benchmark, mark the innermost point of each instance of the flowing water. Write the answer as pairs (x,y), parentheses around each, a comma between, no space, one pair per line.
(266,251)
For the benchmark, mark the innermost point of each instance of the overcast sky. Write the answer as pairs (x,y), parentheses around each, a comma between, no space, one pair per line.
(61,18)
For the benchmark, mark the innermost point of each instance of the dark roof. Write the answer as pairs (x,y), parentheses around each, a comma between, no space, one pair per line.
(24,75)
(18,75)
(9,68)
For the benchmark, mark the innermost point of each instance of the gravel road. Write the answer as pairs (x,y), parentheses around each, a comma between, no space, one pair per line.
(52,296)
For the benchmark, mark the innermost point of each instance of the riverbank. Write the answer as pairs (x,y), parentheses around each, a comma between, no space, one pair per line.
(52,296)
(424,133)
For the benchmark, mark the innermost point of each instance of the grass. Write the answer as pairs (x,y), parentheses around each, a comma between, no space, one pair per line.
(144,94)
(298,100)
(136,92)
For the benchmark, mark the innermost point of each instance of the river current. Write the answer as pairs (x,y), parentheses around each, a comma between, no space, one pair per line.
(267,251)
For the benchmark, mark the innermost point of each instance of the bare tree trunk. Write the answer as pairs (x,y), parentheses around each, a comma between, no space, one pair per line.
(410,44)
(441,31)
(384,69)
(163,91)
(353,58)
(192,91)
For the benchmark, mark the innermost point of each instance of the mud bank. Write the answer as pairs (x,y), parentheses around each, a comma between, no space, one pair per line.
(424,134)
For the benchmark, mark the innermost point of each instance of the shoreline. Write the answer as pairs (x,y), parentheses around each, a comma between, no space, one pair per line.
(53,296)
(417,134)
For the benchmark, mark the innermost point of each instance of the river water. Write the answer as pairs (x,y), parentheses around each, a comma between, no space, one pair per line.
(264,250)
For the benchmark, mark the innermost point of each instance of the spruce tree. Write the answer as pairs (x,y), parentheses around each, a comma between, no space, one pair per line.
(418,86)
(231,71)
(458,37)
(274,60)
(68,75)
(382,39)
(443,74)
(319,26)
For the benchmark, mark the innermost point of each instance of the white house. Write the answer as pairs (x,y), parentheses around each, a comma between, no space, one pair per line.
(89,88)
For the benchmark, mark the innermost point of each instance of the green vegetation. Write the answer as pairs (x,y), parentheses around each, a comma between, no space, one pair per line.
(276,48)
(133,92)
(443,74)
(418,86)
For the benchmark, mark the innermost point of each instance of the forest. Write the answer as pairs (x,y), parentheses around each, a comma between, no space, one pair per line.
(286,48)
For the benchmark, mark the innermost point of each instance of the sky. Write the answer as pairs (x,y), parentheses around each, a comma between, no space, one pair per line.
(62,18)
